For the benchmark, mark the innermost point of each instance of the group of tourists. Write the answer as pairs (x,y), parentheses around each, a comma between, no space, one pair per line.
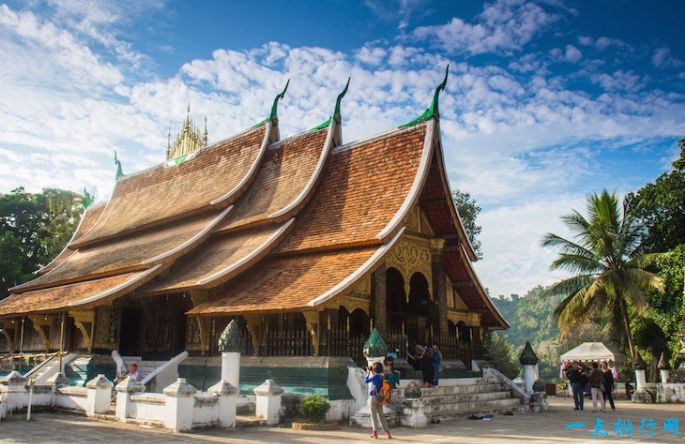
(428,360)
(599,379)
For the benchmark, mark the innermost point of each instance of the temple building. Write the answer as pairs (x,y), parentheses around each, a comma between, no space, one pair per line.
(309,241)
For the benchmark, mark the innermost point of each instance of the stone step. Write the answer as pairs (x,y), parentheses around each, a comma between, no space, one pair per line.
(249,421)
(459,409)
(454,390)
(467,397)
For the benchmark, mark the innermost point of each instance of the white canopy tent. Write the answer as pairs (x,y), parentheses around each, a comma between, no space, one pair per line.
(592,351)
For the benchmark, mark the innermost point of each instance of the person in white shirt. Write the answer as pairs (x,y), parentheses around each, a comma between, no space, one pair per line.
(132,372)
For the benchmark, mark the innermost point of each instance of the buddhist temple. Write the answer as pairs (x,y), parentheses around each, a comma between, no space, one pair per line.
(309,241)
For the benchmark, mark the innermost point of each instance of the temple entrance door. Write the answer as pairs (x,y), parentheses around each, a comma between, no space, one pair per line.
(409,313)
(129,343)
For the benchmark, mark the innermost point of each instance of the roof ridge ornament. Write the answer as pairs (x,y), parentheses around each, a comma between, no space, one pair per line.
(88,199)
(336,111)
(433,110)
(273,115)
(120,171)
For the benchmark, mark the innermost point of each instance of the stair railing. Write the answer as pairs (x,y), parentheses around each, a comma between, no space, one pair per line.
(173,362)
(121,366)
(493,372)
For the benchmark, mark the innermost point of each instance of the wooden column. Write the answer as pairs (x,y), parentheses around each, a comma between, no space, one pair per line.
(312,317)
(439,285)
(380,310)
(42,324)
(204,323)
(255,329)
(83,320)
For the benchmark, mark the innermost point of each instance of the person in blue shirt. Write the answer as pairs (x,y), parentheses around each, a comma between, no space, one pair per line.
(437,362)
(374,380)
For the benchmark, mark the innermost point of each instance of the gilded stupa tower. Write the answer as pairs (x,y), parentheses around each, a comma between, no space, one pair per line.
(188,140)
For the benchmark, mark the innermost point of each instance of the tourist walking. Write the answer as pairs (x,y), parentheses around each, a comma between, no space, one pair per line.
(596,380)
(374,380)
(608,385)
(437,362)
(575,377)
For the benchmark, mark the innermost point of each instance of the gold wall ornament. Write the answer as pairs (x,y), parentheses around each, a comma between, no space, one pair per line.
(411,255)
(312,317)
(106,334)
(9,331)
(469,318)
(83,320)
(42,324)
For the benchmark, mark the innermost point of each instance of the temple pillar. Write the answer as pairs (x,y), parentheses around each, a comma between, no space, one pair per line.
(439,287)
(204,323)
(312,317)
(253,323)
(476,342)
(380,311)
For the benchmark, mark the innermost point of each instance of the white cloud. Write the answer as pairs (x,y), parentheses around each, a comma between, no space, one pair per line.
(662,58)
(502,26)
(571,54)
(514,262)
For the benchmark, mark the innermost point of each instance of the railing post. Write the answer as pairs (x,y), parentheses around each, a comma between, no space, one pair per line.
(268,402)
(227,402)
(99,395)
(124,390)
(180,401)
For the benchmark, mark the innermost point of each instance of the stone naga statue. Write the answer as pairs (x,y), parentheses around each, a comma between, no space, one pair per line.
(229,341)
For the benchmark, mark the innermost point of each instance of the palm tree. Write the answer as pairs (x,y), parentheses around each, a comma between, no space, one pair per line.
(610,271)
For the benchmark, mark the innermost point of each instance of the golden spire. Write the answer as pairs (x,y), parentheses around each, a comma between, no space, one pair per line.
(189,139)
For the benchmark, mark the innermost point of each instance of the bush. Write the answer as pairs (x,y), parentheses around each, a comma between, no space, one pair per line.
(313,408)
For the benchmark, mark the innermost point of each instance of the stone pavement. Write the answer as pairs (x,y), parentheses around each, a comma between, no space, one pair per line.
(542,428)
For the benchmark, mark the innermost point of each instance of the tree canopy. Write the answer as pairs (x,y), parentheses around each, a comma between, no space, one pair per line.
(34,228)
(468,213)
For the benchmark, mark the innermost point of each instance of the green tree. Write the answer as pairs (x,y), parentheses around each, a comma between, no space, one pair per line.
(468,213)
(500,354)
(660,208)
(34,227)
(610,271)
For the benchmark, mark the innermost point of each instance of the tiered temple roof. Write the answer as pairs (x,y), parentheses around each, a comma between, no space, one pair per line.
(262,224)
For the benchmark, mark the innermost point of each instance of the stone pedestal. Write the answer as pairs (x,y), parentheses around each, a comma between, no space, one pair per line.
(529,377)
(230,368)
(268,403)
(99,395)
(16,395)
(227,400)
(125,389)
(180,399)
(641,394)
(664,374)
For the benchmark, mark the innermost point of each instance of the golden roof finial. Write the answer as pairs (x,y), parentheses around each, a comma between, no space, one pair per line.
(189,139)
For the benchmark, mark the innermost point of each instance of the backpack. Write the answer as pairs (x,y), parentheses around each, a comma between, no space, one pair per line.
(386,391)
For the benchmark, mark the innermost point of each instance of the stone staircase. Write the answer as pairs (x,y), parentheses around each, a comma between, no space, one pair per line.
(463,397)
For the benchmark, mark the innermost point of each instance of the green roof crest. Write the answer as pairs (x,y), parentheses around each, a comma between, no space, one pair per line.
(336,110)
(432,110)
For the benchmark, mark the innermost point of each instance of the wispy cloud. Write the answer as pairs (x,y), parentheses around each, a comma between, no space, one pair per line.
(505,25)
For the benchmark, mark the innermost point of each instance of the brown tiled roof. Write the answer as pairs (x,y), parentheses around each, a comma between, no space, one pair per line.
(286,170)
(363,187)
(40,301)
(286,283)
(88,220)
(165,192)
(219,259)
(125,254)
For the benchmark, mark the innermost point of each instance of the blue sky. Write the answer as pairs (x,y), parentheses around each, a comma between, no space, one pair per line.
(546,101)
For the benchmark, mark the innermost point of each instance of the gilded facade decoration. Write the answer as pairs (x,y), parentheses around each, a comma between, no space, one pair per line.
(106,327)
(83,320)
(411,255)
(42,324)
(469,318)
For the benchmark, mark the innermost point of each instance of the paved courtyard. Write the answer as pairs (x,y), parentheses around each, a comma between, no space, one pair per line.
(542,428)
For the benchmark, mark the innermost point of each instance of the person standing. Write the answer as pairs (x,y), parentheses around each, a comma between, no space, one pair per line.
(575,377)
(374,380)
(596,380)
(437,362)
(608,385)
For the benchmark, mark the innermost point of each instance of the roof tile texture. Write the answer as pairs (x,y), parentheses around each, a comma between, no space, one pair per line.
(215,255)
(166,192)
(282,176)
(361,190)
(286,283)
(126,252)
(59,297)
